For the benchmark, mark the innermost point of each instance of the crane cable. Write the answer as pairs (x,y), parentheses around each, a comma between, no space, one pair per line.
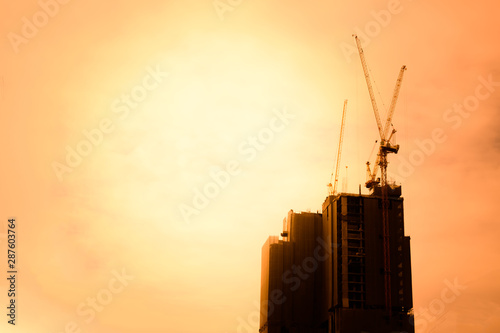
(373,149)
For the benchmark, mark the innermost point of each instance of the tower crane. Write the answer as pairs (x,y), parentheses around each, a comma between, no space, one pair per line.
(385,141)
(385,148)
(332,190)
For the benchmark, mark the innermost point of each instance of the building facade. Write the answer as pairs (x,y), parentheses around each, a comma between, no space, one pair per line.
(326,274)
(290,284)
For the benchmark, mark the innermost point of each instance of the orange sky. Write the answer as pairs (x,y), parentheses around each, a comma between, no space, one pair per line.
(173,93)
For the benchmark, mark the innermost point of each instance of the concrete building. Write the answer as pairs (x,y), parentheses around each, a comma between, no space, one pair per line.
(290,286)
(327,273)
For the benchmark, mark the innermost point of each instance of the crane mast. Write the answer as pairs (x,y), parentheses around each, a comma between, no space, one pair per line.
(385,148)
(333,191)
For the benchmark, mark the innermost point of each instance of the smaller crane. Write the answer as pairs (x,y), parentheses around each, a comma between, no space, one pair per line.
(332,190)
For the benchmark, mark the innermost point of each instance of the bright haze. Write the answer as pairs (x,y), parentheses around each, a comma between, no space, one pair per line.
(168,140)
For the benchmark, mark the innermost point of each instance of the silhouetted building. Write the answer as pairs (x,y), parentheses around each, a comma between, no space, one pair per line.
(327,273)
(290,286)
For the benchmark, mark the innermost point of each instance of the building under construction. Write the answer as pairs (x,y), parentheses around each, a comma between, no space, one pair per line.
(329,271)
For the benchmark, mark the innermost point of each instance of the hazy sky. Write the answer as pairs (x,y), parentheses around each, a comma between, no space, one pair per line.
(116,116)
